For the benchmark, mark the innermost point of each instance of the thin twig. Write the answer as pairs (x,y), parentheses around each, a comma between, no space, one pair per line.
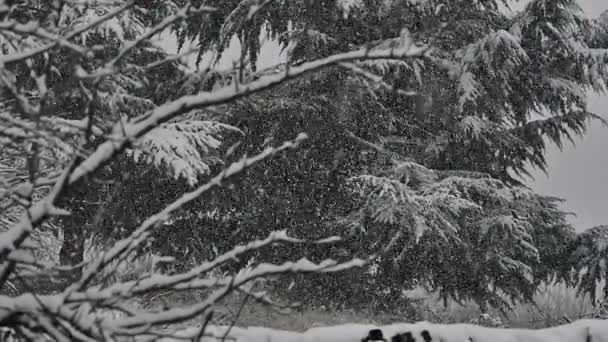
(16,57)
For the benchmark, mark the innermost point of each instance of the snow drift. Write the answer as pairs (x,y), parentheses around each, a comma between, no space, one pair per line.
(583,331)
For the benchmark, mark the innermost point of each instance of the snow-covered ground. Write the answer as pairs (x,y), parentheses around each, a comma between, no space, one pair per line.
(583,331)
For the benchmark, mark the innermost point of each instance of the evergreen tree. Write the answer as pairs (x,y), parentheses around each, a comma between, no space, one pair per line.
(491,95)
(410,158)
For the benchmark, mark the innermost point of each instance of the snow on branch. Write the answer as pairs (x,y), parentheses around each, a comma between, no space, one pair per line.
(187,280)
(71,315)
(141,233)
(141,323)
(124,133)
(181,14)
(74,313)
(263,270)
(23,55)
(185,146)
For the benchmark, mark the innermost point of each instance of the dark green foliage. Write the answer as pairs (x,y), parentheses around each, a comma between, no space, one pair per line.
(113,203)
(488,77)
(588,255)
(429,182)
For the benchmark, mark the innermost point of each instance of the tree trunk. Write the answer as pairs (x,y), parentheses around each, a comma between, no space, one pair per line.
(74,227)
(72,248)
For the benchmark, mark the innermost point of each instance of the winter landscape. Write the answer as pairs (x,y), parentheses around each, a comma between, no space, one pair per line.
(298,170)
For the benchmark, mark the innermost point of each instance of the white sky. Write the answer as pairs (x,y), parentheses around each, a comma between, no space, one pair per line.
(593,8)
(577,174)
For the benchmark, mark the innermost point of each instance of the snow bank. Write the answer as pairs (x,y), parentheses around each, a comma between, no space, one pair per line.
(583,331)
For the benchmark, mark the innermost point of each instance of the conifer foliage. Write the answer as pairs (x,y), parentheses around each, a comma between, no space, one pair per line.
(84,88)
(83,94)
(431,151)
(413,121)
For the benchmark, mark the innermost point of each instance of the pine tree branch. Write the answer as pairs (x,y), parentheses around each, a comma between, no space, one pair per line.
(123,135)
(20,56)
(377,79)
(140,126)
(36,30)
(180,15)
(137,128)
(125,246)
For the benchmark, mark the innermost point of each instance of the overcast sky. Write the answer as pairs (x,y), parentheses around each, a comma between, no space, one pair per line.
(592,7)
(577,174)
